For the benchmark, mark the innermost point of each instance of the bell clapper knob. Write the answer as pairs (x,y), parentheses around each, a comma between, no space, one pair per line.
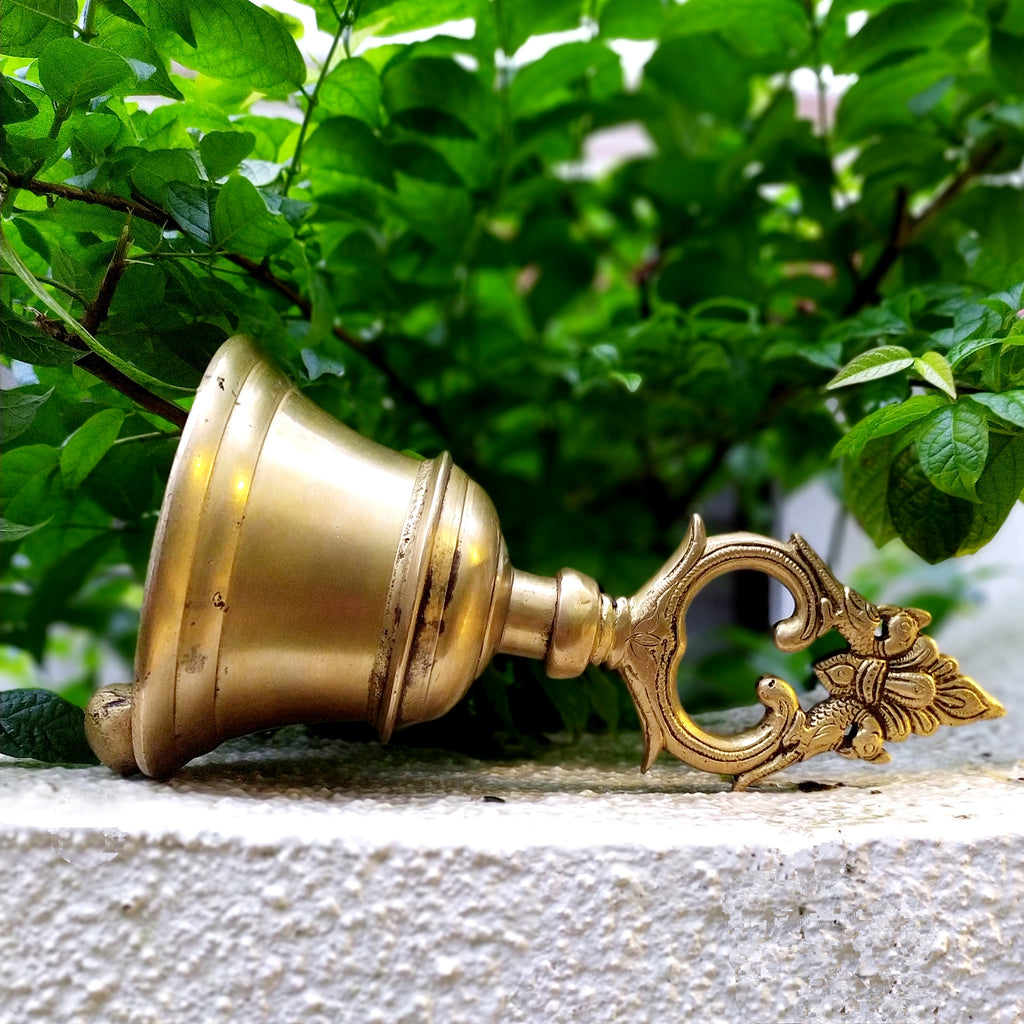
(108,727)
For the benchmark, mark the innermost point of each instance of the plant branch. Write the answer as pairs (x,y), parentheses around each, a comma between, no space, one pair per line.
(258,271)
(906,228)
(866,291)
(95,364)
(50,283)
(98,310)
(978,162)
(153,435)
(311,102)
(97,359)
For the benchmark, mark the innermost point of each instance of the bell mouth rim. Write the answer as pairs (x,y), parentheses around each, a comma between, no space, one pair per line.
(160,661)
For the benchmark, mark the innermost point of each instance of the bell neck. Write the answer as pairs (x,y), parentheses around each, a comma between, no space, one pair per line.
(564,620)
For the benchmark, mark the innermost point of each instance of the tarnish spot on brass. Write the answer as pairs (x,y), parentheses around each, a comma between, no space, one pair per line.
(194,661)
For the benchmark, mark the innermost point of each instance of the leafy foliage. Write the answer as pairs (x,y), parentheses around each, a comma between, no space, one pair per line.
(40,725)
(414,230)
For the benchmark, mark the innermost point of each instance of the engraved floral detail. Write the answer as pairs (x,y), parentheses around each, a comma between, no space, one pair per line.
(903,680)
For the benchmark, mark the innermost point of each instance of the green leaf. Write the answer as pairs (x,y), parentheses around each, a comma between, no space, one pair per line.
(88,444)
(1007,405)
(32,497)
(1004,55)
(703,73)
(130,479)
(29,25)
(937,525)
(190,206)
(522,19)
(962,351)
(173,14)
(396,17)
(73,72)
(38,724)
(874,322)
(439,213)
(318,365)
(132,41)
(242,223)
(866,488)
(222,152)
(352,89)
(998,490)
(13,532)
(21,339)
(436,84)
(930,522)
(22,465)
(633,19)
(95,133)
(883,99)
(155,171)
(952,445)
(1011,16)
(233,40)
(565,75)
(121,10)
(418,161)
(345,146)
(754,26)
(15,105)
(973,317)
(890,419)
(872,365)
(17,411)
(934,370)
(904,28)
(60,584)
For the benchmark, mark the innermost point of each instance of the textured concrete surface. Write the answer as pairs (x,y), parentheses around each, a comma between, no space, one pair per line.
(313,880)
(299,879)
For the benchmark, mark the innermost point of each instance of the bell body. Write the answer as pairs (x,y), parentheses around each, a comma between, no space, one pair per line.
(303,573)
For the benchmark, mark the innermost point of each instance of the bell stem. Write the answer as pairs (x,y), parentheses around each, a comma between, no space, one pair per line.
(564,620)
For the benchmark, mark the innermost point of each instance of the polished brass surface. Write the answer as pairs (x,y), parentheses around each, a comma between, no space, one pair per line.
(303,573)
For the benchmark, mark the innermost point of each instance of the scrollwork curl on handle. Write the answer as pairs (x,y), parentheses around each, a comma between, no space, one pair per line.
(890,680)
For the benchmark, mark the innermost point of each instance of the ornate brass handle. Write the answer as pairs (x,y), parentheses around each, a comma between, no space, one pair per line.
(889,682)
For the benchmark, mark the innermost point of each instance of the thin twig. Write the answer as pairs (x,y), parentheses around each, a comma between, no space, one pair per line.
(153,435)
(906,229)
(258,271)
(102,370)
(866,291)
(978,162)
(50,283)
(98,310)
(311,102)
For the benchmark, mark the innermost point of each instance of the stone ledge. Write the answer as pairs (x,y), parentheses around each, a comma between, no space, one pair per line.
(314,880)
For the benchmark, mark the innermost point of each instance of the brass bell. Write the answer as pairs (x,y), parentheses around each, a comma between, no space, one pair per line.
(302,573)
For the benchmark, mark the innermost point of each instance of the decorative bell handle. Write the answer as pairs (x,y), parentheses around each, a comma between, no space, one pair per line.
(303,573)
